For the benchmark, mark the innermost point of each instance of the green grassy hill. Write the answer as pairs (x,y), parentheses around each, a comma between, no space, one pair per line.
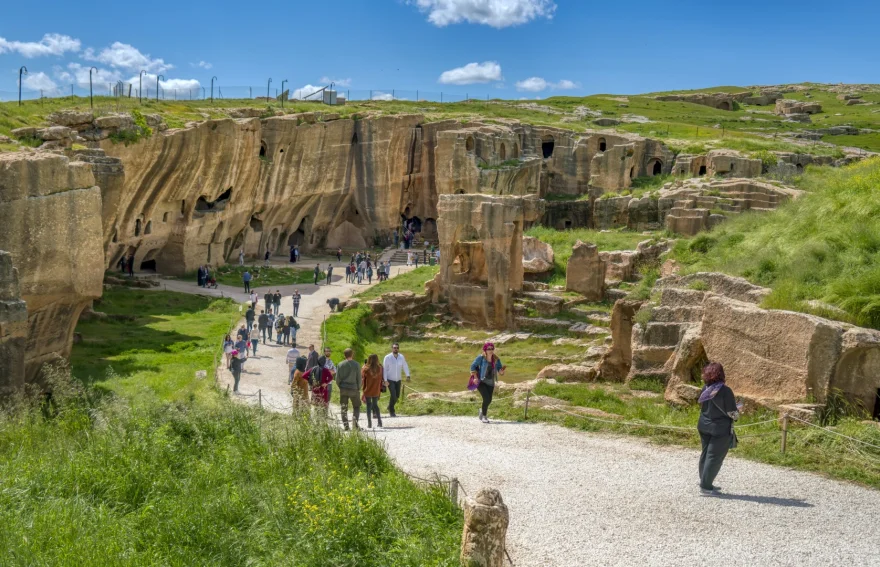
(824,246)
(678,123)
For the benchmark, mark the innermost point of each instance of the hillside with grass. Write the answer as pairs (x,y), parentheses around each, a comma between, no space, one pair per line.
(819,254)
(137,460)
(684,126)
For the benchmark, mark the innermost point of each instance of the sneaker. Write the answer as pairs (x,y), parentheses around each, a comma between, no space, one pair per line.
(706,492)
(379,425)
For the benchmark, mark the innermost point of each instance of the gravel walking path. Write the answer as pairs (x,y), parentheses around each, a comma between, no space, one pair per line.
(578,499)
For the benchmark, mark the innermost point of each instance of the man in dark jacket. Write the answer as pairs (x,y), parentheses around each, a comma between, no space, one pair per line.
(269,300)
(263,323)
(249,316)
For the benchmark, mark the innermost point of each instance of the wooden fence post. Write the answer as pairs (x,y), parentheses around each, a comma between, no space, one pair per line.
(528,395)
(784,432)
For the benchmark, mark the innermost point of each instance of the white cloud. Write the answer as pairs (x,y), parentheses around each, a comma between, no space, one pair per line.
(325,80)
(495,13)
(471,73)
(124,56)
(39,81)
(79,75)
(379,95)
(170,85)
(532,84)
(51,44)
(307,90)
(537,84)
(204,65)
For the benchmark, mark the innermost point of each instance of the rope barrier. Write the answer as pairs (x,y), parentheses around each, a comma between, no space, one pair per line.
(833,432)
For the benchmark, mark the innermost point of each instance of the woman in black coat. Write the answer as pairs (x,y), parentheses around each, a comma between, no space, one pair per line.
(718,411)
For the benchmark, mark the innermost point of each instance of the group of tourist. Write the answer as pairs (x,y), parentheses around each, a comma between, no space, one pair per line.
(204,277)
(126,264)
(311,378)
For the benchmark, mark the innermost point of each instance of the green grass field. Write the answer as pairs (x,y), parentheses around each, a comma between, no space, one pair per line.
(824,246)
(271,276)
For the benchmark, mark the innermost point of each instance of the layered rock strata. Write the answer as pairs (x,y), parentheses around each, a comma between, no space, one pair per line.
(13,327)
(50,211)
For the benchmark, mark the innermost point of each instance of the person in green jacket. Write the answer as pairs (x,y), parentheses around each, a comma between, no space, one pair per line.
(348,379)
(718,411)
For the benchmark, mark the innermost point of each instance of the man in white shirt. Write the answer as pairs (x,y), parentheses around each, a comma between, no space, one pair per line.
(393,364)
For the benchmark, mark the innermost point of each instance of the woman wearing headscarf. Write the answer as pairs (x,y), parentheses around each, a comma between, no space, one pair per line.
(486,367)
(718,411)
(299,386)
(320,378)
(373,377)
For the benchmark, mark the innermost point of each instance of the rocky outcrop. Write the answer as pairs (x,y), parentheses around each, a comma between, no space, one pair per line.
(537,256)
(717,163)
(585,271)
(13,328)
(770,356)
(624,160)
(50,211)
(399,307)
(481,256)
(484,539)
(789,107)
(616,361)
(719,101)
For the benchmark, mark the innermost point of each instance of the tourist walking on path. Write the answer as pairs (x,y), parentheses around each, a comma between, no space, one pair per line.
(393,364)
(369,274)
(296,299)
(285,331)
(373,378)
(269,300)
(228,347)
(486,368)
(348,377)
(241,257)
(339,254)
(255,298)
(312,358)
(279,328)
(246,278)
(276,300)
(327,363)
(249,316)
(329,273)
(299,386)
(292,254)
(130,265)
(271,324)
(317,273)
(718,411)
(266,258)
(292,355)
(294,327)
(235,368)
(296,253)
(255,339)
(263,322)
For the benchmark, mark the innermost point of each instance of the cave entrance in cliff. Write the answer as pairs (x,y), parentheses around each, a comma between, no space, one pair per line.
(203,205)
(603,145)
(503,152)
(263,149)
(567,224)
(354,138)
(799,168)
(655,166)
(256,224)
(702,170)
(137,227)
(148,263)
(632,173)
(724,105)
(547,145)
(469,144)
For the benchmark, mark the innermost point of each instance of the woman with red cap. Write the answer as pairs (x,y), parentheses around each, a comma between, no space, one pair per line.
(486,368)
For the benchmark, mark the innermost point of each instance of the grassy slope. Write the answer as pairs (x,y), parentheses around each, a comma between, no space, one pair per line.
(136,480)
(678,123)
(825,246)
(272,276)
(157,354)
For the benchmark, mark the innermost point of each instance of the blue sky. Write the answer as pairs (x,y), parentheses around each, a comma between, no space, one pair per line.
(503,48)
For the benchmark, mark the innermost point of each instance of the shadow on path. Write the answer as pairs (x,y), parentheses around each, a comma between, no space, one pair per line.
(790,502)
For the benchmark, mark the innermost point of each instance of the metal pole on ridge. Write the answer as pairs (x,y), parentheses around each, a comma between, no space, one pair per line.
(212,89)
(91,101)
(157,84)
(268,87)
(282,92)
(21,70)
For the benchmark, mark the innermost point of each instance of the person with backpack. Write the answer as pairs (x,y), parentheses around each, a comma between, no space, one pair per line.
(279,328)
(294,327)
(486,368)
(317,273)
(270,325)
(718,411)
(285,331)
(348,377)
(373,379)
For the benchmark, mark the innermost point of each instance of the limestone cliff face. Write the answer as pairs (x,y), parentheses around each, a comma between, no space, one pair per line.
(50,214)
(13,327)
(200,194)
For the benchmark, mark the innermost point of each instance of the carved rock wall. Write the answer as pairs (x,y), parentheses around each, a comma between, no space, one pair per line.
(13,327)
(50,211)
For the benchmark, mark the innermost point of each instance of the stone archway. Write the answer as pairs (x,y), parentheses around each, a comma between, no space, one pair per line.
(603,145)
(655,167)
(547,146)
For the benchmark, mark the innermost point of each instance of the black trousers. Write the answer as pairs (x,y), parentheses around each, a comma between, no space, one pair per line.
(486,392)
(715,448)
(247,287)
(296,309)
(394,394)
